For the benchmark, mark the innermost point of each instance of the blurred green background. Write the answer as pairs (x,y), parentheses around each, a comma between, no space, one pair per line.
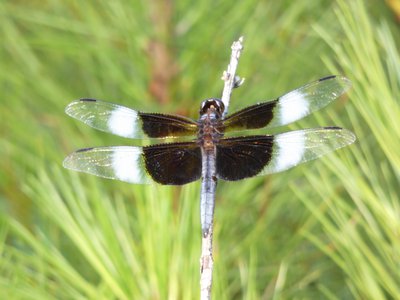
(329,229)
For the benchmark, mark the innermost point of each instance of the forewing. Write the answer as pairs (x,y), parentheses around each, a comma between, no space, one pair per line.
(289,107)
(129,123)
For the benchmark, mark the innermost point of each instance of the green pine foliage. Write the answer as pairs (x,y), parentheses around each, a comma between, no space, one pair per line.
(328,229)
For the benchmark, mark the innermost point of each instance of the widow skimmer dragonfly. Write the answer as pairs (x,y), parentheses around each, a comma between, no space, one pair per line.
(209,155)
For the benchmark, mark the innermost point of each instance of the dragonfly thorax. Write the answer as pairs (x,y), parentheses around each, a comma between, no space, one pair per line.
(210,123)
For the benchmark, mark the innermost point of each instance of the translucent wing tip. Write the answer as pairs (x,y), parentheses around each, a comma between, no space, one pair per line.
(343,81)
(71,162)
(295,147)
(67,163)
(123,163)
(69,109)
(349,136)
(334,137)
(344,136)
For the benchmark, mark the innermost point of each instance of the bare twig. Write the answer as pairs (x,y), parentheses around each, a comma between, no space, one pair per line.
(231,80)
(206,260)
(206,265)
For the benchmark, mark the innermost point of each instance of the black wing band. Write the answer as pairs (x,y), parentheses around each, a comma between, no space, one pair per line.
(173,163)
(242,157)
(156,125)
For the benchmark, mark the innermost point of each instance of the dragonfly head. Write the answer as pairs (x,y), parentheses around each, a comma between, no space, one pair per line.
(212,106)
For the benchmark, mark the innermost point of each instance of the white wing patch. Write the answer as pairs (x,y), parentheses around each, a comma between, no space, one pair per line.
(128,167)
(123,122)
(291,110)
(290,150)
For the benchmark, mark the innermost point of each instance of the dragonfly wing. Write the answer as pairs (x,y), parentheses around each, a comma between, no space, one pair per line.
(243,157)
(289,107)
(169,164)
(129,123)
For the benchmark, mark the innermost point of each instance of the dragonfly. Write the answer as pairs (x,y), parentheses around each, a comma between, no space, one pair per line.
(207,154)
